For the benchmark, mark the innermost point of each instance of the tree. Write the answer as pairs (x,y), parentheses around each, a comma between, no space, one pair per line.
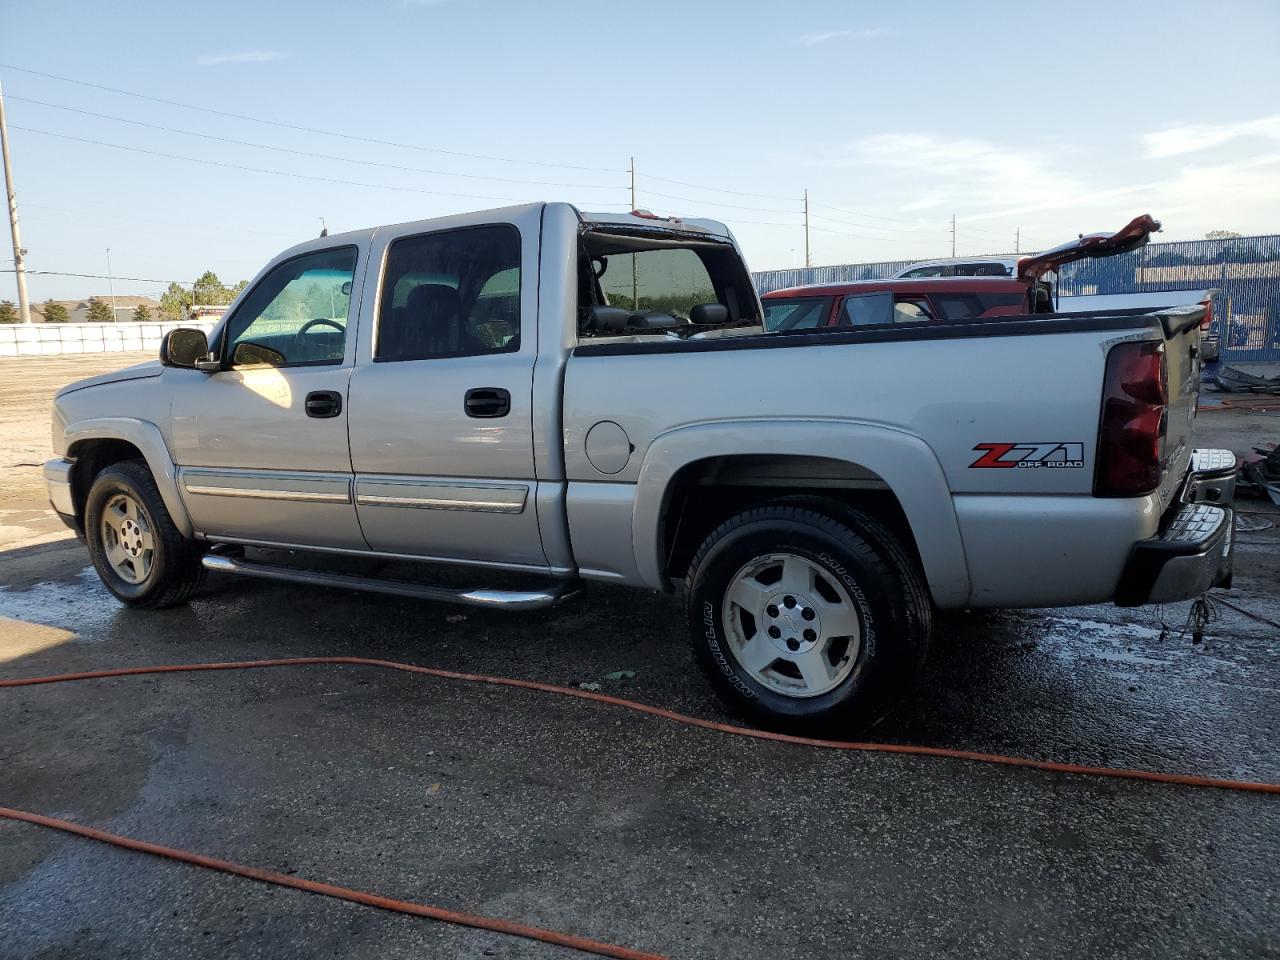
(8,312)
(238,289)
(174,302)
(99,311)
(209,289)
(55,312)
(141,314)
(1222,235)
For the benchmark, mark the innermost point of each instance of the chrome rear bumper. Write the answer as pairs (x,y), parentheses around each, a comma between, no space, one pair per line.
(1193,552)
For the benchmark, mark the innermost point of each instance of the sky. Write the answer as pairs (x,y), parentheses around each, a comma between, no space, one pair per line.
(1018,119)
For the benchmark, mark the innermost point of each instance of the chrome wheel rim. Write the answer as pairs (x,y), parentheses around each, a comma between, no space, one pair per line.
(127,539)
(792,625)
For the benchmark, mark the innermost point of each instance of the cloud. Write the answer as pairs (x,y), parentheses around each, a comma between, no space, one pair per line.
(244,56)
(1048,191)
(979,179)
(1192,137)
(822,36)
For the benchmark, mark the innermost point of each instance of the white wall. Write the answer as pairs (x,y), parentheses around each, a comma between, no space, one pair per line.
(49,339)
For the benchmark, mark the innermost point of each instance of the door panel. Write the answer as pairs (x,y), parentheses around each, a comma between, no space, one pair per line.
(441,418)
(262,444)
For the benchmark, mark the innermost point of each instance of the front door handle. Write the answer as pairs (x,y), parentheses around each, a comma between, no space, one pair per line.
(487,402)
(323,404)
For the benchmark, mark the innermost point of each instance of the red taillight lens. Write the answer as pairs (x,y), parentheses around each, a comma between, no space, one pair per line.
(1135,419)
(1207,322)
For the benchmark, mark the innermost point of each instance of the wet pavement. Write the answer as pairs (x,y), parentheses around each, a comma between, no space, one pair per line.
(627,828)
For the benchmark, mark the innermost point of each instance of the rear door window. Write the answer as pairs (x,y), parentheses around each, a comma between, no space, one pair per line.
(453,293)
(803,314)
(966,306)
(867,310)
(911,311)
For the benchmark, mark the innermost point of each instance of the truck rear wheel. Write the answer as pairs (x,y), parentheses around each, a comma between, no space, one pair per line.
(139,554)
(805,618)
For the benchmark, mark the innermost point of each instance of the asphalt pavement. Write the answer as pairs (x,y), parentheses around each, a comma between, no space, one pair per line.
(626,828)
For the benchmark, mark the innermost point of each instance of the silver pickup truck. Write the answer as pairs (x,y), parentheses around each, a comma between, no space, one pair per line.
(593,397)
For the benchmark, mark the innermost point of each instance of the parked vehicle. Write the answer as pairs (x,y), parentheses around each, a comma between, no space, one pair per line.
(1044,266)
(871,302)
(960,267)
(593,397)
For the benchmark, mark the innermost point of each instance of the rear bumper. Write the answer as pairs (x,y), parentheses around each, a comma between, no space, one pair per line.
(1193,551)
(57,479)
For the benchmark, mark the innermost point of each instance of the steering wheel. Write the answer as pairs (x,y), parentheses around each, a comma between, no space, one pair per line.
(320,321)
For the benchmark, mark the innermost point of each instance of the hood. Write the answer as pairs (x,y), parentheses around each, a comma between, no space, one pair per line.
(1131,236)
(139,371)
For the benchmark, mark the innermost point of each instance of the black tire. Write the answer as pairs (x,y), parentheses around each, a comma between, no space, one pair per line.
(175,570)
(878,574)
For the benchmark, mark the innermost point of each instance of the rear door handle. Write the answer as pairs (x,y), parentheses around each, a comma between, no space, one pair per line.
(323,404)
(487,402)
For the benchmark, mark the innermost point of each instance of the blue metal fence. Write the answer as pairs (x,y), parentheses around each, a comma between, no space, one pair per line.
(1245,269)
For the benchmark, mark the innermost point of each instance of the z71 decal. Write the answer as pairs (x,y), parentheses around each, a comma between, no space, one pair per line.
(1029,455)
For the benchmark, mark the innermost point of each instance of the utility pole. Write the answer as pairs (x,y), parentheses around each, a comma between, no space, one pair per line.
(635,271)
(19,267)
(953,235)
(806,229)
(111,285)
(1017,240)
(632,170)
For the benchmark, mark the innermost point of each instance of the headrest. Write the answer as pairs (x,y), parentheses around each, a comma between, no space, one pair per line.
(434,300)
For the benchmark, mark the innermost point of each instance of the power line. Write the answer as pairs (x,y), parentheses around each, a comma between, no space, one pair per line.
(308,153)
(872,226)
(98,276)
(710,203)
(173,223)
(276,173)
(868,216)
(302,129)
(863,236)
(699,186)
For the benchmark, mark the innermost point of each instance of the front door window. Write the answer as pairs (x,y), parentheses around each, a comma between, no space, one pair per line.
(297,314)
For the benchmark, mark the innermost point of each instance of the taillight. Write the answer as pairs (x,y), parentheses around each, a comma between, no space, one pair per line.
(1207,322)
(1135,419)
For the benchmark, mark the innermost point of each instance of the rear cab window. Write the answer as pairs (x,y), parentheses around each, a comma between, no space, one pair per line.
(659,282)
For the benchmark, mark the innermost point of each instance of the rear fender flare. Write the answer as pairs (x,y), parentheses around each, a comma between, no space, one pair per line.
(903,460)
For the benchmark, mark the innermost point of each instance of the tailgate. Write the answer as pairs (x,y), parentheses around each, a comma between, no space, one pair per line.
(1182,357)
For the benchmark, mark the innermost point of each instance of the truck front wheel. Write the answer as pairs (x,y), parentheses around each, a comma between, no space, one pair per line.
(139,554)
(807,619)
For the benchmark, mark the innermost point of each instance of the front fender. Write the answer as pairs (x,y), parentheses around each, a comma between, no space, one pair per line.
(904,461)
(147,438)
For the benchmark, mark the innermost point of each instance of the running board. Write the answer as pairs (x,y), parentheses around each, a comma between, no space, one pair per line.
(475,597)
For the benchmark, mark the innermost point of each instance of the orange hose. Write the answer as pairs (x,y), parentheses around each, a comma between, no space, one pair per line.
(511,928)
(1152,776)
(329,890)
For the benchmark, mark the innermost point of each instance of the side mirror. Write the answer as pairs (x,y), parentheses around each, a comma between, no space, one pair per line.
(706,314)
(250,354)
(186,348)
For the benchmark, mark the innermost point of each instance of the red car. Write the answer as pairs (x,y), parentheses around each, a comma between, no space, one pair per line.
(866,302)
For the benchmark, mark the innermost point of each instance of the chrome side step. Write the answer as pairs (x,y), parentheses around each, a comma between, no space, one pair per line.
(476,597)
